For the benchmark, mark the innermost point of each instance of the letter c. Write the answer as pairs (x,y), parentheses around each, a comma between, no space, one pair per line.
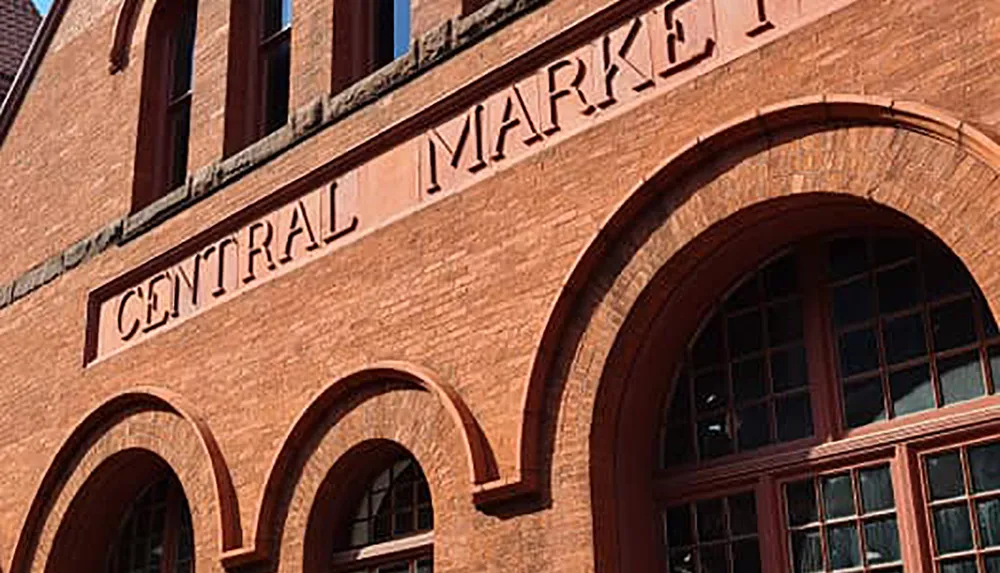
(134,328)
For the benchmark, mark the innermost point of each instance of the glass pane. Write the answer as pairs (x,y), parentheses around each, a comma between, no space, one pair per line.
(989,522)
(892,249)
(959,566)
(882,540)
(781,277)
(993,564)
(714,439)
(848,257)
(753,429)
(911,390)
(747,294)
(425,566)
(863,402)
(682,561)
(749,381)
(898,288)
(876,489)
(679,526)
(838,497)
(745,333)
(714,559)
(904,338)
(858,352)
(680,403)
(276,98)
(800,500)
(990,327)
(944,476)
(743,514)
(953,325)
(788,369)
(707,350)
(182,46)
(984,463)
(401,27)
(807,551)
(853,302)
(794,417)
(944,273)
(710,391)
(678,445)
(784,323)
(711,520)
(961,378)
(179,126)
(842,542)
(952,530)
(746,556)
(277,15)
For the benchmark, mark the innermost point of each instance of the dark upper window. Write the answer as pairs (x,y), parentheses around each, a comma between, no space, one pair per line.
(275,60)
(391,527)
(470,6)
(825,385)
(368,34)
(155,536)
(164,129)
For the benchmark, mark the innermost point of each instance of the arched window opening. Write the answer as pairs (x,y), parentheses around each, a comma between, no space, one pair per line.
(368,34)
(391,528)
(835,404)
(156,535)
(168,77)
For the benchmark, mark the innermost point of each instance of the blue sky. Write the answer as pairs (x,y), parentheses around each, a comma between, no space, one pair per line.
(43,5)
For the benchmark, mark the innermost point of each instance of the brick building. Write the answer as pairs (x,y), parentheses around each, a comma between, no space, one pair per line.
(508,286)
(18,21)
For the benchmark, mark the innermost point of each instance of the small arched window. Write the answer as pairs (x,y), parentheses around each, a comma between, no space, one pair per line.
(391,527)
(164,129)
(834,403)
(367,35)
(156,535)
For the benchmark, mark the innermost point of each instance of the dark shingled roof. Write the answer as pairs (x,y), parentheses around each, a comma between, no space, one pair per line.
(18,21)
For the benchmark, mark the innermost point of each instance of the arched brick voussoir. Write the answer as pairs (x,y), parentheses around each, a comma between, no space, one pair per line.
(770,126)
(146,419)
(313,425)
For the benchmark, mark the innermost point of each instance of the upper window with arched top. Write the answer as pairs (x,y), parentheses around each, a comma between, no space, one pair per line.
(155,535)
(367,35)
(165,114)
(833,404)
(390,529)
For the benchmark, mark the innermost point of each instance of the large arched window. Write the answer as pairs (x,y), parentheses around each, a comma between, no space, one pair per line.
(834,412)
(390,529)
(155,536)
(165,114)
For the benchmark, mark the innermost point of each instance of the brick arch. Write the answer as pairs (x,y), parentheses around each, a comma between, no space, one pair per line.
(139,425)
(428,418)
(893,125)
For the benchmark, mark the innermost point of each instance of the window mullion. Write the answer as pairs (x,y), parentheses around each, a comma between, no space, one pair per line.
(907,492)
(770,526)
(823,386)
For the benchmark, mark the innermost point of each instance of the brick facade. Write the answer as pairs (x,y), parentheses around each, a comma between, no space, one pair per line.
(497,327)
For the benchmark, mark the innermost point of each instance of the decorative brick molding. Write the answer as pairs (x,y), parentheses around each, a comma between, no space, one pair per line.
(285,474)
(147,419)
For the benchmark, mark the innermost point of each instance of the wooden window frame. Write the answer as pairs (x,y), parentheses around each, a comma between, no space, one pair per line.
(360,44)
(156,146)
(902,442)
(247,78)
(173,505)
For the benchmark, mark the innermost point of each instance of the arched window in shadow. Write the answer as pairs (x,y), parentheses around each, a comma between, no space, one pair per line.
(829,415)
(165,111)
(391,526)
(155,535)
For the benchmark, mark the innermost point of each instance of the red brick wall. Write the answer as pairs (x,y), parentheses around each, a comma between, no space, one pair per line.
(462,288)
